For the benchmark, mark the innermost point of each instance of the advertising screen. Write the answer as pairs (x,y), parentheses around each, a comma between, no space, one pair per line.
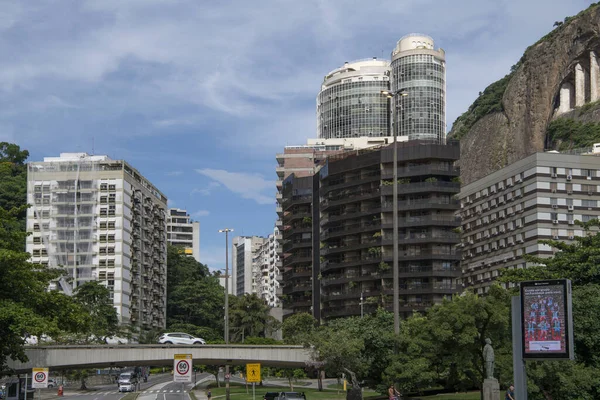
(546,317)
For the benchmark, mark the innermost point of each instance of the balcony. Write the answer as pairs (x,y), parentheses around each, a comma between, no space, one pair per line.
(426,220)
(439,237)
(350,245)
(452,255)
(337,231)
(297,244)
(422,204)
(298,258)
(426,288)
(350,198)
(329,265)
(448,170)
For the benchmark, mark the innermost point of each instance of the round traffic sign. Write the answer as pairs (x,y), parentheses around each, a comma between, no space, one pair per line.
(40,377)
(227,376)
(183,367)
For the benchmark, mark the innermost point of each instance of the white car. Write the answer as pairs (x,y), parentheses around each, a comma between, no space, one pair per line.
(126,387)
(179,338)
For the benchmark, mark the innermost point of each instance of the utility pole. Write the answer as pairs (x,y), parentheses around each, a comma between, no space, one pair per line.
(226,230)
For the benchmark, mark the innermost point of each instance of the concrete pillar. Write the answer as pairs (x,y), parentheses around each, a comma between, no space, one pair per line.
(594,77)
(565,98)
(579,86)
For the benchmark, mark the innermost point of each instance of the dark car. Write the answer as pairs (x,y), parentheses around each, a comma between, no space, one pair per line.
(291,396)
(271,396)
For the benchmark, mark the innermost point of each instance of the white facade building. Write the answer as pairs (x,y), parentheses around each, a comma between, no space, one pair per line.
(101,220)
(183,232)
(266,269)
(244,269)
(505,214)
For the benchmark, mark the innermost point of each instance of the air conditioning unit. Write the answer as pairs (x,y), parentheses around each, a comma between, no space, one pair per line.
(571,237)
(553,175)
(569,192)
(553,190)
(589,178)
(555,237)
(571,222)
(554,205)
(555,221)
(502,245)
(470,242)
(520,240)
(569,177)
(590,193)
(570,208)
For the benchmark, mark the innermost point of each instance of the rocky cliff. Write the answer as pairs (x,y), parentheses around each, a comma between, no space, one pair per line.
(510,118)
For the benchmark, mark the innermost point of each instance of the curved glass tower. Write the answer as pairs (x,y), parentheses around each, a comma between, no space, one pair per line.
(419,81)
(350,103)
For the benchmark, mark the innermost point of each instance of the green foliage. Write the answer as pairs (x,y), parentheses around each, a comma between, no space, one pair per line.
(298,328)
(26,307)
(104,321)
(377,234)
(13,180)
(383,267)
(194,296)
(488,102)
(362,345)
(444,346)
(579,262)
(307,220)
(262,341)
(566,133)
(431,179)
(249,317)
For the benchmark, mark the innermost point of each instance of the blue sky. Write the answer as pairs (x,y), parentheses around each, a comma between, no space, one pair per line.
(200,95)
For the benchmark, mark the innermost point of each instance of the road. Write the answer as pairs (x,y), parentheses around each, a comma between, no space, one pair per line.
(159,388)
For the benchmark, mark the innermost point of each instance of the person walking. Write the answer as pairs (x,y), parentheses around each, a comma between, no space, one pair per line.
(393,394)
(209,395)
(510,393)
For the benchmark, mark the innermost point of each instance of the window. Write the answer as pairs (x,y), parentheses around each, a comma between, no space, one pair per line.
(36,227)
(103,212)
(102,225)
(587,218)
(553,187)
(104,186)
(112,188)
(111,238)
(553,216)
(570,201)
(589,203)
(111,250)
(111,225)
(553,201)
(570,219)
(102,251)
(102,263)
(112,198)
(103,200)
(37,240)
(110,262)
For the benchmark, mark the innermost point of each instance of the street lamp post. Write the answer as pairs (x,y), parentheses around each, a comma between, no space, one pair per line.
(226,230)
(395,271)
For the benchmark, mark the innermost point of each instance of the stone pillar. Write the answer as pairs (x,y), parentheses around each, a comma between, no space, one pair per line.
(579,86)
(594,76)
(565,98)
(491,389)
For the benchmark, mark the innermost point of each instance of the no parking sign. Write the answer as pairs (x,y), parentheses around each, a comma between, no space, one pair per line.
(40,378)
(182,368)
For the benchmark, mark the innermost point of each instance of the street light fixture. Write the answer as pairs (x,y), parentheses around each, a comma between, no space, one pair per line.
(395,271)
(226,230)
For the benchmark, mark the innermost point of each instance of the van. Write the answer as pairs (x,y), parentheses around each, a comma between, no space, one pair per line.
(128,377)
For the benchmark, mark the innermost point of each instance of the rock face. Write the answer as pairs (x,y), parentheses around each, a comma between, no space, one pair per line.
(530,99)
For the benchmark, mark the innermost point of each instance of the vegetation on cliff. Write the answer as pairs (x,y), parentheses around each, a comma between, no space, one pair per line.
(566,134)
(490,100)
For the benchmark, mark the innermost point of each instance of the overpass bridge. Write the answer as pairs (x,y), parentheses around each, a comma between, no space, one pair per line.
(103,356)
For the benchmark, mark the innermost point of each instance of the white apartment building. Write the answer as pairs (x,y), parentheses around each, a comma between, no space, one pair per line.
(244,268)
(267,269)
(183,232)
(101,220)
(506,213)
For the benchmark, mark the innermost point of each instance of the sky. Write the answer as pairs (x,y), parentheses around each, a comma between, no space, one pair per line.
(200,95)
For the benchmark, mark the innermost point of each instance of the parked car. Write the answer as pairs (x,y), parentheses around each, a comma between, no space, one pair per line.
(126,387)
(51,383)
(271,396)
(291,396)
(179,338)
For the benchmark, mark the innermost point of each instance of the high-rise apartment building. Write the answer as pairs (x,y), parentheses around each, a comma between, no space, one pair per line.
(245,269)
(267,271)
(183,232)
(418,78)
(101,220)
(337,231)
(505,214)
(350,104)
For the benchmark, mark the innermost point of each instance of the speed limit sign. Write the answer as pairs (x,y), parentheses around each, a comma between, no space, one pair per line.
(182,368)
(40,378)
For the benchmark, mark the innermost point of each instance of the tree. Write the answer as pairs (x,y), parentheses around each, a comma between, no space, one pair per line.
(249,315)
(298,328)
(104,320)
(445,345)
(577,261)
(13,179)
(26,307)
(194,296)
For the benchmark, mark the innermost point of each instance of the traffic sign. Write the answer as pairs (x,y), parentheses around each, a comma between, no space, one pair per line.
(252,372)
(182,368)
(40,378)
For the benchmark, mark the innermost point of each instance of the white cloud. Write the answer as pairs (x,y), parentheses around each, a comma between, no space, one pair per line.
(248,186)
(200,213)
(207,190)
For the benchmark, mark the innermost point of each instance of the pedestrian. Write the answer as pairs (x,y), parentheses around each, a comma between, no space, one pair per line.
(208,395)
(510,393)
(393,394)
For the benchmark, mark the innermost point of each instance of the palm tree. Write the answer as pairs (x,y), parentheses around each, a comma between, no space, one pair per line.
(249,317)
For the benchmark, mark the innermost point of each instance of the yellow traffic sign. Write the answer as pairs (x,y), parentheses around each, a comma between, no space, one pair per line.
(252,372)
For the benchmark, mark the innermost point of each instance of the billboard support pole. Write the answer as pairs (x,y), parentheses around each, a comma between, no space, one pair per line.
(519,373)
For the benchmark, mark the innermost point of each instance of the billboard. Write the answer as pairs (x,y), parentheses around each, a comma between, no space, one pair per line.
(547,320)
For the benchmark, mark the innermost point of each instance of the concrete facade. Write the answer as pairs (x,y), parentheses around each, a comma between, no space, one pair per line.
(505,214)
(581,85)
(183,232)
(79,357)
(101,220)
(267,269)
(245,270)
